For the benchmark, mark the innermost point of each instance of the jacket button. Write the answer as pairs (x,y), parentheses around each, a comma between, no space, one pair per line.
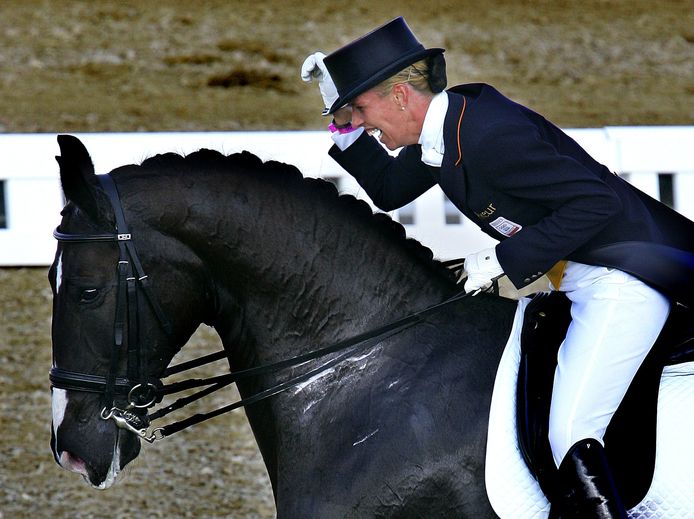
(526,280)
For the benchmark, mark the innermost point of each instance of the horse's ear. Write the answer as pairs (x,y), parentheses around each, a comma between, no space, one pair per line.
(79,182)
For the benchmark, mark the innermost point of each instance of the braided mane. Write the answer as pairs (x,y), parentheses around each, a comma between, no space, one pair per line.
(288,177)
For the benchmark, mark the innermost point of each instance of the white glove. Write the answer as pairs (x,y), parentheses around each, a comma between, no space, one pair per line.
(314,67)
(482,269)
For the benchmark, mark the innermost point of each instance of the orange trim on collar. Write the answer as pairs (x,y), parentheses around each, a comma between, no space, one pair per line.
(460,149)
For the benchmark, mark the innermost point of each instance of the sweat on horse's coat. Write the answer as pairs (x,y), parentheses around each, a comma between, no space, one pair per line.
(58,273)
(279,266)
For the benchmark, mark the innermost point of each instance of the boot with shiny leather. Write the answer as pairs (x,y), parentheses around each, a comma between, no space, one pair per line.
(588,489)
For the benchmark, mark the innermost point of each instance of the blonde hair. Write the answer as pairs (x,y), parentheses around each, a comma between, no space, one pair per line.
(416,75)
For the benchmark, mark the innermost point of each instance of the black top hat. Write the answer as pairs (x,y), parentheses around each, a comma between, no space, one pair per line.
(373,58)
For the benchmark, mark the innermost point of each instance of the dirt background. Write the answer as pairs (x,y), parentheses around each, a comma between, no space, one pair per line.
(233,65)
(69,66)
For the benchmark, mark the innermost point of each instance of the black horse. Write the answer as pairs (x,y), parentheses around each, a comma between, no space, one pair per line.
(279,266)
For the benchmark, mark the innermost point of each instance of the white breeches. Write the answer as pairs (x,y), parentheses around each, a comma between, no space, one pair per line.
(615,321)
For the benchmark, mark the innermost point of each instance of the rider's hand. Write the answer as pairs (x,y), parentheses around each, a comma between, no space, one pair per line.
(482,269)
(314,67)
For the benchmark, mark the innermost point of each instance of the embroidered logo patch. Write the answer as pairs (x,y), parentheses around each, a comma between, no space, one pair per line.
(505,227)
(488,211)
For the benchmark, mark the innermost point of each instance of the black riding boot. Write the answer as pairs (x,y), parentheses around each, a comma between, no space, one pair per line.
(588,490)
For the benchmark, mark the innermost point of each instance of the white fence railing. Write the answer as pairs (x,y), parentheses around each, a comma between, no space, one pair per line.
(658,160)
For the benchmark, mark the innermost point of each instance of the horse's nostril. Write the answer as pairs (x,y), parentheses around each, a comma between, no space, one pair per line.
(72,463)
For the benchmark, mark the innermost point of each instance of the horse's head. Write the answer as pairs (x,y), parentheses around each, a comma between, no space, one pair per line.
(110,334)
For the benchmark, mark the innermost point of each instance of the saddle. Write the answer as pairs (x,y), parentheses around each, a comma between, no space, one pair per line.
(630,439)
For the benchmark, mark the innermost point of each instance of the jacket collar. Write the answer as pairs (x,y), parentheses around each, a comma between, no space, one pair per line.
(431,138)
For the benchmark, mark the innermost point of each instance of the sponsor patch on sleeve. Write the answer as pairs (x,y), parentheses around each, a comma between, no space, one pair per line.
(505,227)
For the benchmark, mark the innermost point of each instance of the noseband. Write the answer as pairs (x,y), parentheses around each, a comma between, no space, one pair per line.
(137,388)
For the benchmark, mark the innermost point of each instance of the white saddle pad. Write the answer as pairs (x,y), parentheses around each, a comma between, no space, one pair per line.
(514,493)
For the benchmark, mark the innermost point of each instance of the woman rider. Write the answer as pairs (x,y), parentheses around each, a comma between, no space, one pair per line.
(619,256)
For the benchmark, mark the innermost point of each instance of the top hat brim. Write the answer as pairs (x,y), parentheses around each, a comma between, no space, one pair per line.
(393,68)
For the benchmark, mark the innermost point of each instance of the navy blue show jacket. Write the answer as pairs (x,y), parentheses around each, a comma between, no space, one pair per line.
(526,183)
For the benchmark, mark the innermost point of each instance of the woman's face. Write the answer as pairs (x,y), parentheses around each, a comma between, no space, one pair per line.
(384,117)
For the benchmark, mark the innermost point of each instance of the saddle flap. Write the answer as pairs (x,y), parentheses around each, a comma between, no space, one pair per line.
(545,323)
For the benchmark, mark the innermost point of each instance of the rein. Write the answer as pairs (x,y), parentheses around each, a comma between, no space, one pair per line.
(348,347)
(142,391)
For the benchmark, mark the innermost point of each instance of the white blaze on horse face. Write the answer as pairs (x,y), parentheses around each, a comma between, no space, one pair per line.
(70,462)
(114,469)
(58,406)
(59,273)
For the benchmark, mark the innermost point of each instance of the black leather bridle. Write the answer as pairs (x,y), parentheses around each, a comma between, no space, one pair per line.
(136,388)
(140,391)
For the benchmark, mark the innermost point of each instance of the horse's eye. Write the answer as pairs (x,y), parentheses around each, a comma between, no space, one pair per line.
(89,295)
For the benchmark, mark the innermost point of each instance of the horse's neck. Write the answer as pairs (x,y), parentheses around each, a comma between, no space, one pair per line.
(322,291)
(303,273)
(292,271)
